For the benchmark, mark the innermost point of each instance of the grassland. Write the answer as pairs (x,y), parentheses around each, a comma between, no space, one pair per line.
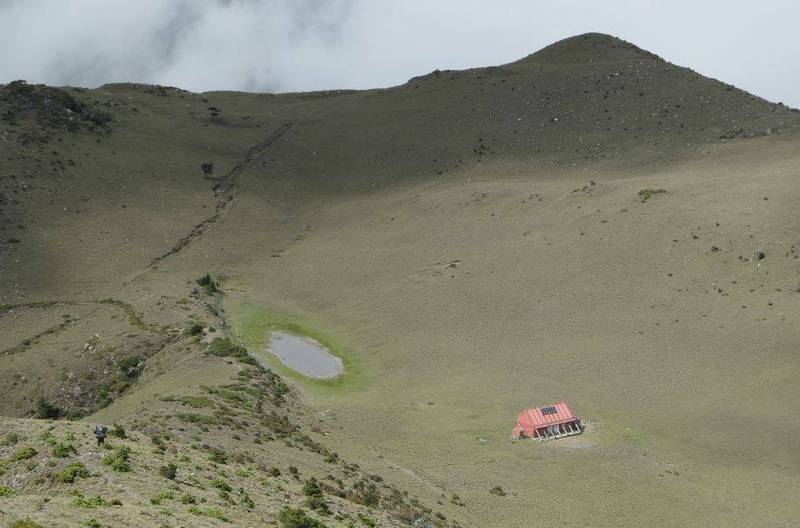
(590,223)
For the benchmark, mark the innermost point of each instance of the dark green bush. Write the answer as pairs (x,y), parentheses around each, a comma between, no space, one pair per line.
(71,473)
(208,284)
(169,471)
(118,459)
(297,518)
(214,513)
(245,499)
(131,366)
(117,431)
(221,485)
(646,194)
(218,456)
(23,453)
(188,499)
(314,497)
(63,450)
(25,523)
(5,491)
(46,410)
(195,329)
(51,107)
(366,521)
(365,493)
(10,439)
(224,347)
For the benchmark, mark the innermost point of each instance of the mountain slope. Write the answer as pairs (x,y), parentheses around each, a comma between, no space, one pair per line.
(589,223)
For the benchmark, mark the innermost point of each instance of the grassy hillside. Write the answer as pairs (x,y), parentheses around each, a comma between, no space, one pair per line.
(590,223)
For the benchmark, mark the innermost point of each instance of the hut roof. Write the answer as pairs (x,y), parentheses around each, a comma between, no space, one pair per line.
(535,417)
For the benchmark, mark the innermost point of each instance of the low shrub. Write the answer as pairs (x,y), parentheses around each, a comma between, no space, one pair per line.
(5,491)
(208,284)
(297,518)
(63,450)
(646,194)
(366,521)
(365,493)
(245,499)
(117,431)
(158,442)
(90,502)
(194,329)
(23,453)
(46,410)
(157,500)
(197,402)
(214,513)
(314,497)
(131,366)
(221,485)
(169,471)
(218,456)
(118,459)
(25,523)
(497,490)
(224,347)
(52,108)
(198,418)
(10,439)
(188,499)
(71,473)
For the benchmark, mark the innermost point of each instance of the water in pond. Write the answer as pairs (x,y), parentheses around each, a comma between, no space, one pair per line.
(305,355)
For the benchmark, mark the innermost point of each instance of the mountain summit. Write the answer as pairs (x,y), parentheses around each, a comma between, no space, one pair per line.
(589,47)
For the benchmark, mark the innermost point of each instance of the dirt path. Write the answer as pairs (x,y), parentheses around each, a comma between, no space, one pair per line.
(134,319)
(225,194)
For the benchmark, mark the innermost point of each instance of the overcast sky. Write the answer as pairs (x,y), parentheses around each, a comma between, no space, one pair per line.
(293,45)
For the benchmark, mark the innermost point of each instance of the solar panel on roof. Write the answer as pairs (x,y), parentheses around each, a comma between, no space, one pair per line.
(549,410)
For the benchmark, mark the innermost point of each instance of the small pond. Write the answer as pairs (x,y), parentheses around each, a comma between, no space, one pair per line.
(305,355)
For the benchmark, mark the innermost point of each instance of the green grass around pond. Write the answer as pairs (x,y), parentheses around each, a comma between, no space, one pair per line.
(254,326)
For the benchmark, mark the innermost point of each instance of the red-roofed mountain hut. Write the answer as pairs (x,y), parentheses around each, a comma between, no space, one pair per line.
(550,421)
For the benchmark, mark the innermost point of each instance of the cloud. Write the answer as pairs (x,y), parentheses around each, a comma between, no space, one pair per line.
(291,45)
